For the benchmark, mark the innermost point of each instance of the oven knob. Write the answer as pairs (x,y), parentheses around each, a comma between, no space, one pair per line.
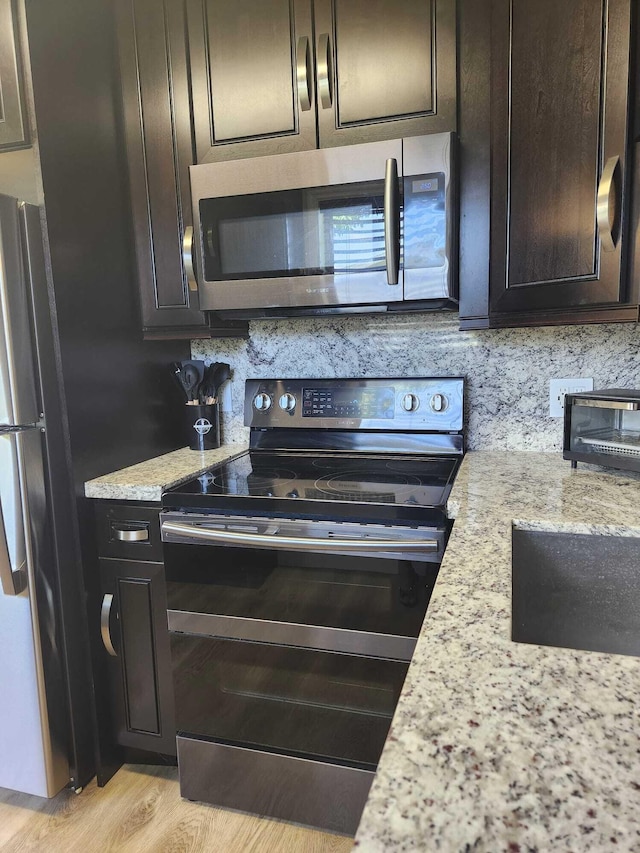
(439,403)
(262,402)
(410,402)
(287,402)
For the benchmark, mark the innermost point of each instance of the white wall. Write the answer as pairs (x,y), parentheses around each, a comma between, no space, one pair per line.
(507,370)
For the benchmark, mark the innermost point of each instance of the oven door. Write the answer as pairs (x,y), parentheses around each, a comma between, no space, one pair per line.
(338,587)
(290,733)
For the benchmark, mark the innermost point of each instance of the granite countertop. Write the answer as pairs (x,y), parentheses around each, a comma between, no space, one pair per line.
(147,480)
(503,746)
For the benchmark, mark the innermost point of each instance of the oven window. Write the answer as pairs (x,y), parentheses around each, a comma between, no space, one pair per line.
(605,432)
(362,594)
(337,230)
(296,701)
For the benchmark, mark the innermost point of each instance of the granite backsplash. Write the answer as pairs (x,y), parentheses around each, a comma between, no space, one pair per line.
(507,370)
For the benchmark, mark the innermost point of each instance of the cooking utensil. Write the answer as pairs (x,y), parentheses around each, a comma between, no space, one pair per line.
(190,380)
(221,374)
(207,388)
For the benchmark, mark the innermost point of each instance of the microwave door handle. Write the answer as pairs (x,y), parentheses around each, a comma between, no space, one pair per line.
(392,221)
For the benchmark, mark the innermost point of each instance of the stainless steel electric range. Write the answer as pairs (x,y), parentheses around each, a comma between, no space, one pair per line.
(298,577)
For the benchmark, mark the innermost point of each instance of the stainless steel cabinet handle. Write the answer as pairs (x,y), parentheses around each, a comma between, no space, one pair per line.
(303,73)
(187,258)
(122,535)
(298,544)
(325,82)
(392,221)
(105,631)
(607,205)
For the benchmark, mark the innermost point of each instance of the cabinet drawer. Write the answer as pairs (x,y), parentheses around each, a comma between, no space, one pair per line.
(128,531)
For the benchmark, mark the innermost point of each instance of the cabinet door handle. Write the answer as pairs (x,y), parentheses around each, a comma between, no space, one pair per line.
(187,258)
(607,205)
(325,82)
(105,630)
(392,221)
(303,73)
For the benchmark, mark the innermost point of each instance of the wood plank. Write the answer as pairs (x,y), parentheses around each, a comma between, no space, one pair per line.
(141,811)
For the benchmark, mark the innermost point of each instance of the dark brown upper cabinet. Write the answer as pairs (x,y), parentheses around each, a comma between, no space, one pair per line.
(273,76)
(384,69)
(251,77)
(13,120)
(545,198)
(157,123)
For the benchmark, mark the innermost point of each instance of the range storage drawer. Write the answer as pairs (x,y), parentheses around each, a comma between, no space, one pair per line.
(328,796)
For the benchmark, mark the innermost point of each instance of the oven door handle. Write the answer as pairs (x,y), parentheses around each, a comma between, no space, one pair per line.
(296,543)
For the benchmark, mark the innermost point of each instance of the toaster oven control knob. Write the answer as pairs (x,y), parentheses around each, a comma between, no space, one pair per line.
(410,402)
(262,402)
(439,403)
(287,402)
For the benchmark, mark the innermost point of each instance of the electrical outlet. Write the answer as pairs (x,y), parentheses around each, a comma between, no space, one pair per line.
(559,387)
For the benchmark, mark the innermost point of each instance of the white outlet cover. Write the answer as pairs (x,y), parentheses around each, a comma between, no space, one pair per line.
(559,387)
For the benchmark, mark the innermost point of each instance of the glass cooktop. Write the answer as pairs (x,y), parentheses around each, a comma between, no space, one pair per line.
(327,484)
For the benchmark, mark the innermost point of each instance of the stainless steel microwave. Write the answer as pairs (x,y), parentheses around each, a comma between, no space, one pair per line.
(367,225)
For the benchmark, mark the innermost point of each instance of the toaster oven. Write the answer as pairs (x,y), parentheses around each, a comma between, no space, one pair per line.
(603,428)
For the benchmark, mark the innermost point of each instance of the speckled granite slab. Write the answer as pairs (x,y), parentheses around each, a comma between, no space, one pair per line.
(147,480)
(501,746)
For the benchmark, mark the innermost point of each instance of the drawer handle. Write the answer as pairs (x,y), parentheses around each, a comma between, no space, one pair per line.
(136,535)
(105,630)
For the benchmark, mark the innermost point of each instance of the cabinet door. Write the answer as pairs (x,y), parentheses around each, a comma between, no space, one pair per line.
(559,105)
(384,69)
(136,640)
(251,77)
(157,124)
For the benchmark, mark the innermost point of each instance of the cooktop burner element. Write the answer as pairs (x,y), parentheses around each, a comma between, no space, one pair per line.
(395,462)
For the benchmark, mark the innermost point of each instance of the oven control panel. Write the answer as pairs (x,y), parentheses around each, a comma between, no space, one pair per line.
(420,404)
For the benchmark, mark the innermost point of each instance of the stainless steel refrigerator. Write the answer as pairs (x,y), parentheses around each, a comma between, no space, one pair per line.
(34,718)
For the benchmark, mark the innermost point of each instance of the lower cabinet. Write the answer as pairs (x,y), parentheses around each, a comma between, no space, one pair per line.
(133,625)
(134,652)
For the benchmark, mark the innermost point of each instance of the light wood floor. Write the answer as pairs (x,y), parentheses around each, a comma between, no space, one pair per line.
(140,811)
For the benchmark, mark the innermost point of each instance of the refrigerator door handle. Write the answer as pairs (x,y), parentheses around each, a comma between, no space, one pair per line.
(13,582)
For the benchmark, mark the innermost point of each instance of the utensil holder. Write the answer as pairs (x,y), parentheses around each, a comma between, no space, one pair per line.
(202,426)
